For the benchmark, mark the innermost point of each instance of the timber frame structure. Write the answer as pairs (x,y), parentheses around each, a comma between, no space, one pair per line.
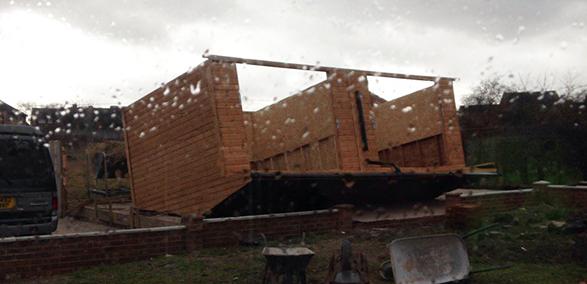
(192,149)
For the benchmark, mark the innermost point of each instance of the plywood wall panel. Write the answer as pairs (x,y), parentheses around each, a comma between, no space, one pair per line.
(298,120)
(184,147)
(408,118)
(425,120)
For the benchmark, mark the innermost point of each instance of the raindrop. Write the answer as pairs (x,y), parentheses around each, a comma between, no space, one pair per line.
(348,181)
(407,109)
(305,135)
(142,135)
(166,92)
(196,90)
(316,109)
(278,175)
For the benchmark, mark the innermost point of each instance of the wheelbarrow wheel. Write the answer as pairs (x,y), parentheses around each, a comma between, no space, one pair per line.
(385,270)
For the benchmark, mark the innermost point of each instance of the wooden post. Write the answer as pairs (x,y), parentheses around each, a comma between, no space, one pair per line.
(59,168)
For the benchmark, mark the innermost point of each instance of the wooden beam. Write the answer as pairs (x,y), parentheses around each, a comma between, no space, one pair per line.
(267,63)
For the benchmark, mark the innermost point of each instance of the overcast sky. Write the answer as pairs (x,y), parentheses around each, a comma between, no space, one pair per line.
(114,52)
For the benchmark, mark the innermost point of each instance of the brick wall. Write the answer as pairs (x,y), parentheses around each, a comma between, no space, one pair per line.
(503,201)
(574,196)
(47,255)
(433,220)
(29,257)
(492,202)
(221,231)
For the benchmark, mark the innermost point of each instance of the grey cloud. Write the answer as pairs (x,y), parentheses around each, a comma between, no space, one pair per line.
(151,20)
(132,20)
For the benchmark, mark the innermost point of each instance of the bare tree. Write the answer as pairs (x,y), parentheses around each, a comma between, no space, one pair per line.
(545,83)
(488,92)
(523,82)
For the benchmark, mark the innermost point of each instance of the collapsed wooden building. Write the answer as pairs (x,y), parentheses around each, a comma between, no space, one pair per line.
(192,149)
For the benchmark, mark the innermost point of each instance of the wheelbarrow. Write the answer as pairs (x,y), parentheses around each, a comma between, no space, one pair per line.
(286,265)
(432,259)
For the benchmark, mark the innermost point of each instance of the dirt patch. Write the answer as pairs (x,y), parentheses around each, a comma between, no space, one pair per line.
(70,225)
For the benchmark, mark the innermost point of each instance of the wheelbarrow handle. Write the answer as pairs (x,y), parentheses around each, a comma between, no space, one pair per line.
(479,230)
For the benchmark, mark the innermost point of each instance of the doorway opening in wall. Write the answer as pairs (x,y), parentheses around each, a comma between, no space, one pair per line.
(262,86)
(393,88)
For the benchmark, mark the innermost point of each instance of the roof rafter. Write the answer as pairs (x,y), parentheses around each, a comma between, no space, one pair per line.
(229,59)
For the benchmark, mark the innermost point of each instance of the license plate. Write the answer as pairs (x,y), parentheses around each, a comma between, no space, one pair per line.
(7,202)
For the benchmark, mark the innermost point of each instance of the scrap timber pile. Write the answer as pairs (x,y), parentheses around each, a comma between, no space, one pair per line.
(192,149)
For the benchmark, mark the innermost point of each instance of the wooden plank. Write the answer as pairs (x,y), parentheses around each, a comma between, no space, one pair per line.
(268,63)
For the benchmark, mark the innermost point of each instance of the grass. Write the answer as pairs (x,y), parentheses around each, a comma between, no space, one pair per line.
(539,253)
(236,268)
(535,273)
